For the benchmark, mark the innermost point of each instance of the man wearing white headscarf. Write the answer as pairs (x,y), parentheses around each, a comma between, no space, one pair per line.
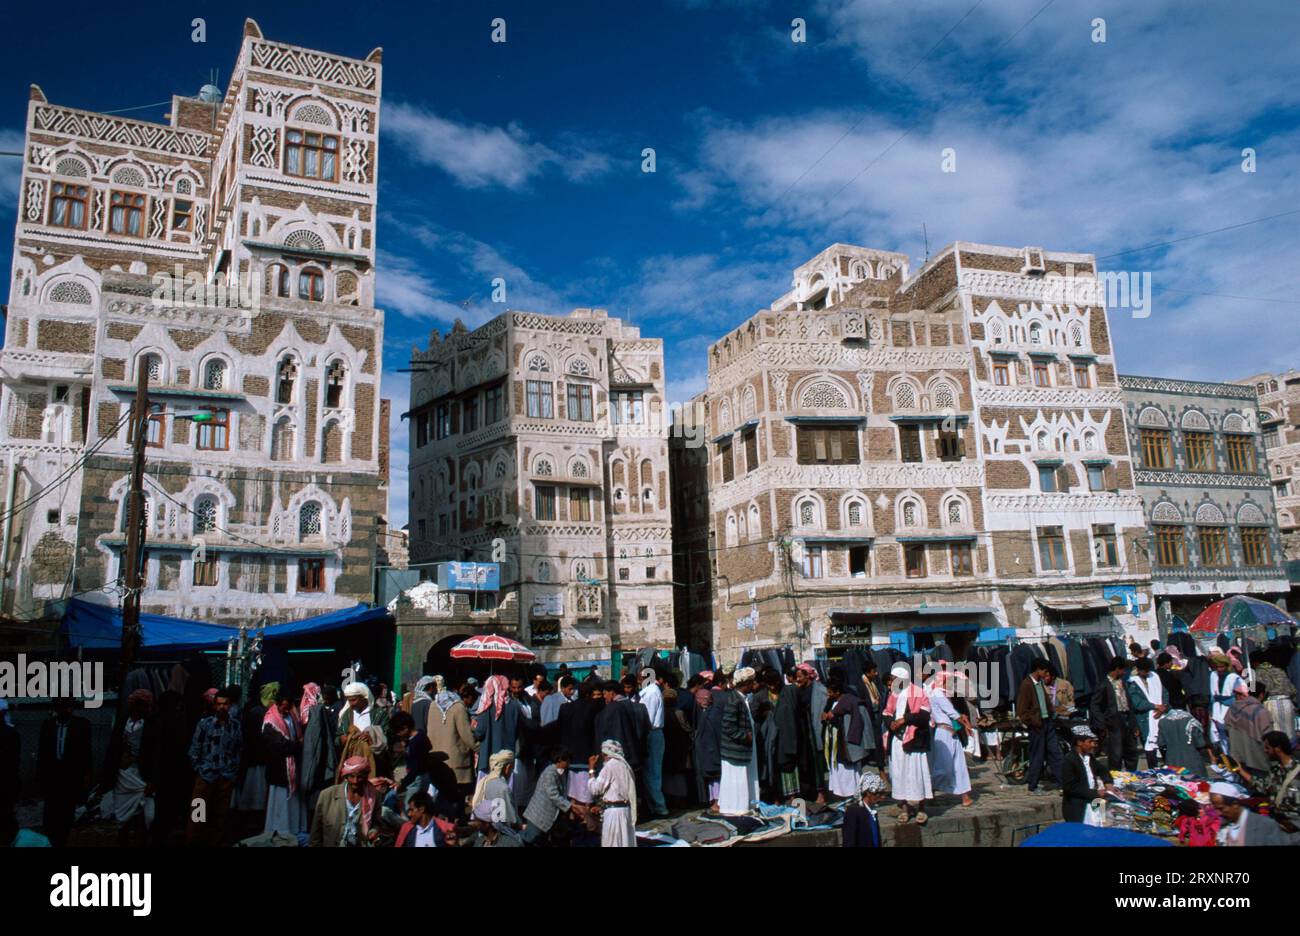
(1241,827)
(360,711)
(861,828)
(422,698)
(738,790)
(907,717)
(615,790)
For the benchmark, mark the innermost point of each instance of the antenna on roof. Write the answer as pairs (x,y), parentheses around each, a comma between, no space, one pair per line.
(926,235)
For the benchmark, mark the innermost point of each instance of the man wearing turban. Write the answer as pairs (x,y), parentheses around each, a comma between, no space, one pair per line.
(738,789)
(348,813)
(615,792)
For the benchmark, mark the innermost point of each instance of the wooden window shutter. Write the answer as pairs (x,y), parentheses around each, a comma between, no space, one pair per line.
(851,446)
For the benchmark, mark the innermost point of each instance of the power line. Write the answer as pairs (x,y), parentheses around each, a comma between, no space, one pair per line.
(860,120)
(64,476)
(127,110)
(1219,230)
(881,155)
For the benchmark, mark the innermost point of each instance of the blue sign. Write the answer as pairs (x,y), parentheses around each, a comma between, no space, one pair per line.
(1125,595)
(469,576)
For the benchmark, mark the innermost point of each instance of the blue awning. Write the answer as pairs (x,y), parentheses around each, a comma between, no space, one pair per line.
(99,627)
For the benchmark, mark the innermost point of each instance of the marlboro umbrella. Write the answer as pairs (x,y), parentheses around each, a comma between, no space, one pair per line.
(1238,612)
(492,647)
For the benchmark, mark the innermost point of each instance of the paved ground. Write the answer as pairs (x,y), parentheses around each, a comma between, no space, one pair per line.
(1003,816)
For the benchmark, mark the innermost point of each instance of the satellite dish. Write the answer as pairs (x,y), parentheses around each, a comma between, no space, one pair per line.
(210,93)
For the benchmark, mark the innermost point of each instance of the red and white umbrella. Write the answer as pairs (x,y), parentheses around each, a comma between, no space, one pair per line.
(492,647)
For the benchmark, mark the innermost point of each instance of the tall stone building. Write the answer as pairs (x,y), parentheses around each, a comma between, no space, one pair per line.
(900,458)
(1204,482)
(1279,423)
(268,192)
(549,434)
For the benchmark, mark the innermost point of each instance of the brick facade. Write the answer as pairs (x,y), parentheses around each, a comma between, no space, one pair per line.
(288,475)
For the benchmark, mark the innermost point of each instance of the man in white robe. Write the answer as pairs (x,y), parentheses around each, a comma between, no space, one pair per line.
(615,790)
(1148,682)
(738,789)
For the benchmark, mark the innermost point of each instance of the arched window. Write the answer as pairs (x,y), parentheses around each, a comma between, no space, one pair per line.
(539,365)
(1076,335)
(954,512)
(311,284)
(277,280)
(286,380)
(732,535)
(500,470)
(544,571)
(1042,441)
(309,520)
(1035,333)
(72,167)
(205,515)
(755,521)
(807,513)
(997,333)
(543,467)
(1089,440)
(942,396)
(214,375)
(855,513)
(904,396)
(909,513)
(335,378)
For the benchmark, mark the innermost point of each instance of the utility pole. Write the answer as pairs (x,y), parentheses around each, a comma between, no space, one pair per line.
(133,581)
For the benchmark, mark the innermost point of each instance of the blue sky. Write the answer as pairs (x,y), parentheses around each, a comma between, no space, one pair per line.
(522,160)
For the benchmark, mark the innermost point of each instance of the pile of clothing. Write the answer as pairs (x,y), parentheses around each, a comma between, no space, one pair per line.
(1148,801)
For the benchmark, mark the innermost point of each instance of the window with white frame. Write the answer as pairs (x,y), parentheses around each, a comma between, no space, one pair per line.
(309,520)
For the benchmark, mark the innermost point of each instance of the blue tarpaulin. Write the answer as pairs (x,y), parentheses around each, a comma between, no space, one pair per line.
(98,627)
(1078,835)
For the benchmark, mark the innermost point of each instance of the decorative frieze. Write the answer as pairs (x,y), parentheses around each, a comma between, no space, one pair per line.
(1063,397)
(108,129)
(318,66)
(1190,387)
(1146,476)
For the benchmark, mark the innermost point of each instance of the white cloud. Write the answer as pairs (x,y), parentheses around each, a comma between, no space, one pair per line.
(397,388)
(1059,142)
(482,156)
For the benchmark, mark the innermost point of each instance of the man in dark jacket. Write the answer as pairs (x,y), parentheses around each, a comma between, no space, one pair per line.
(619,721)
(134,756)
(63,769)
(1113,717)
(1034,709)
(707,747)
(1083,779)
(739,785)
(1172,680)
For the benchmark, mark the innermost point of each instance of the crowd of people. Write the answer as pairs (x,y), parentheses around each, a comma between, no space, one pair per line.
(513,761)
(1208,721)
(522,761)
